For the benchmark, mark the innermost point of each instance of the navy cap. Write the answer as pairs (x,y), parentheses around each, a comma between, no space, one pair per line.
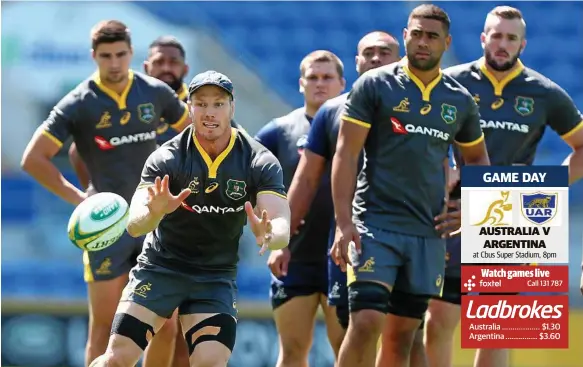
(210,77)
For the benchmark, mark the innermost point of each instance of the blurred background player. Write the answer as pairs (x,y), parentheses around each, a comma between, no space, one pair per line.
(400,189)
(167,62)
(299,274)
(374,49)
(112,118)
(194,219)
(516,105)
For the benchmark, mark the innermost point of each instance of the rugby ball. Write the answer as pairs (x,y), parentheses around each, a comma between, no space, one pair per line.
(98,222)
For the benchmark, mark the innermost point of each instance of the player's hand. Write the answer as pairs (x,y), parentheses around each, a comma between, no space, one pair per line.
(90,189)
(449,223)
(261,227)
(340,251)
(278,261)
(299,227)
(160,200)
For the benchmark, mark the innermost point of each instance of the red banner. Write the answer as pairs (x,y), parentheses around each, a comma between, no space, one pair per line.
(515,322)
(514,279)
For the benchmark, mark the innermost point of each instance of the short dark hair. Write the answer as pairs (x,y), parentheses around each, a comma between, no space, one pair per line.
(168,41)
(110,31)
(322,56)
(430,11)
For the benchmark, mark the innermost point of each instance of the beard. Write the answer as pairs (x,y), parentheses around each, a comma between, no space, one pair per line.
(176,84)
(424,65)
(504,66)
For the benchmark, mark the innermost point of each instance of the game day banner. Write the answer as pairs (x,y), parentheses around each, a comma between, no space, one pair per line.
(515,239)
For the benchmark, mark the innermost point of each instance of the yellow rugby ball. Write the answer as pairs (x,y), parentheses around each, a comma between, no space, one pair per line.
(98,222)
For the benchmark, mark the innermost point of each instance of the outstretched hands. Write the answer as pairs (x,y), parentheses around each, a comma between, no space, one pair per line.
(160,200)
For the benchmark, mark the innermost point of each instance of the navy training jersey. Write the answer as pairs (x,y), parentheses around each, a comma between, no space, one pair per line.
(401,186)
(324,132)
(202,236)
(163,131)
(516,111)
(286,137)
(323,137)
(114,133)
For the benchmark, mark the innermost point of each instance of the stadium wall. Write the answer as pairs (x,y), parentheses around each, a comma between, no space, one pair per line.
(59,341)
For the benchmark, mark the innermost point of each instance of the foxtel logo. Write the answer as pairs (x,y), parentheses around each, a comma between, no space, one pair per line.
(502,310)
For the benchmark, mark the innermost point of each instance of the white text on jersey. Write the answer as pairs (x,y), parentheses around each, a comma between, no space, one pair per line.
(504,125)
(427,131)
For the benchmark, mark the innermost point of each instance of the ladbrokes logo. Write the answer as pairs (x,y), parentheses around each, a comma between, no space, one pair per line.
(502,310)
(115,141)
(515,321)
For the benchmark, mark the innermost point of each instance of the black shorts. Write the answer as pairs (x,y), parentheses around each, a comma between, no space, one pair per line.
(452,290)
(112,261)
(302,279)
(162,290)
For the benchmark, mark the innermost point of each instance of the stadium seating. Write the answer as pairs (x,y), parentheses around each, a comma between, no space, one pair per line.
(272,37)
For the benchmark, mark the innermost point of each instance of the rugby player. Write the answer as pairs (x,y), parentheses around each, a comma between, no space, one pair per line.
(299,282)
(414,113)
(112,117)
(374,49)
(166,61)
(195,196)
(516,105)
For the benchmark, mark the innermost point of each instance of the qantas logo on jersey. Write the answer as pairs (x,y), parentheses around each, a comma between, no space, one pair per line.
(398,128)
(504,125)
(211,209)
(115,141)
(427,131)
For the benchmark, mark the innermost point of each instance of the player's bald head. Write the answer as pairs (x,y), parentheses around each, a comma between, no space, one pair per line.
(510,15)
(377,38)
(376,49)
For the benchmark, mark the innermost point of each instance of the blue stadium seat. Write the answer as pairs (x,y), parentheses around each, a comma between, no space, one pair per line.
(264,32)
(272,37)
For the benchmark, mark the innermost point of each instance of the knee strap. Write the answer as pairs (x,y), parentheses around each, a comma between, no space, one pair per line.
(364,295)
(408,305)
(131,327)
(221,328)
